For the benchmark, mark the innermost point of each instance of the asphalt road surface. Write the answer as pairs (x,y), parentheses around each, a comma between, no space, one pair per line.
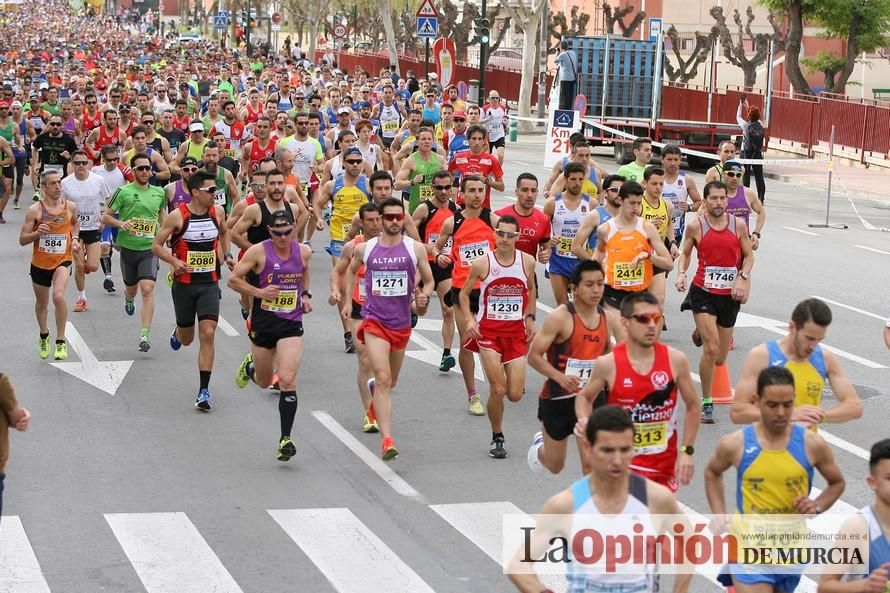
(121,486)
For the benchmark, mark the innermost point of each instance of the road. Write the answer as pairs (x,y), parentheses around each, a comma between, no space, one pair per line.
(127,489)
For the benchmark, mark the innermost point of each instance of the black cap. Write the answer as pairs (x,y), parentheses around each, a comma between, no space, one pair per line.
(734,166)
(189,160)
(279,218)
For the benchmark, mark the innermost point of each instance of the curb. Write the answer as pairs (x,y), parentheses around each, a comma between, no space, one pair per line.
(879,198)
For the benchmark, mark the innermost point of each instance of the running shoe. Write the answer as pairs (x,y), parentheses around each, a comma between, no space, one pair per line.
(388,449)
(108,284)
(61,351)
(242,378)
(276,383)
(707,414)
(286,449)
(349,343)
(696,339)
(15,204)
(369,424)
(170,279)
(245,313)
(2,220)
(497,450)
(202,402)
(80,305)
(474,406)
(534,463)
(129,306)
(36,196)
(447,363)
(43,347)
(732,343)
(144,344)
(174,340)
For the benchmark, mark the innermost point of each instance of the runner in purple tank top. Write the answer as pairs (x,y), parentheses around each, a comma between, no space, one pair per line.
(279,302)
(743,200)
(392,262)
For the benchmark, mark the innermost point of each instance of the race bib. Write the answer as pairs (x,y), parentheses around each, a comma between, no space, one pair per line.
(627,275)
(675,218)
(577,367)
(390,127)
(362,289)
(435,237)
(650,437)
(285,302)
(472,251)
(87,217)
(719,278)
(504,308)
(564,247)
(426,192)
(389,284)
(60,169)
(219,198)
(53,244)
(143,227)
(201,261)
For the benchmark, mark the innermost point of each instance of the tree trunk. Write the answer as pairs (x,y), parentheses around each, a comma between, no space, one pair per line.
(792,48)
(530,58)
(750,71)
(840,84)
(385,7)
(314,19)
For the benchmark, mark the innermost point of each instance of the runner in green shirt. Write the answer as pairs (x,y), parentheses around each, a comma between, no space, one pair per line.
(138,209)
(642,155)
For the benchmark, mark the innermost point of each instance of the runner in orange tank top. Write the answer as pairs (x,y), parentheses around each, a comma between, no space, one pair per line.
(51,226)
(644,376)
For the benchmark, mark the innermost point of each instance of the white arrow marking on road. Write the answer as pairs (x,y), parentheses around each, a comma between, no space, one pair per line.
(227,327)
(104,375)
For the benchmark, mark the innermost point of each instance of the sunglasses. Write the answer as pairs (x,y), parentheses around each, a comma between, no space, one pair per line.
(732,174)
(614,190)
(142,168)
(148,122)
(459,119)
(55,123)
(81,163)
(441,187)
(209,189)
(112,160)
(495,98)
(257,184)
(282,233)
(647,318)
(507,234)
(353,162)
(91,102)
(393,217)
(189,169)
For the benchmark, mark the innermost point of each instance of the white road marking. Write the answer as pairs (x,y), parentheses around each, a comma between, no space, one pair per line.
(482,523)
(845,445)
(351,556)
(867,248)
(106,375)
(839,505)
(801,231)
(169,554)
(373,461)
(19,570)
(544,307)
(227,327)
(855,309)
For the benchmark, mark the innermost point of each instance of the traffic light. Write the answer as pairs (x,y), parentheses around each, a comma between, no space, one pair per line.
(241,18)
(483,32)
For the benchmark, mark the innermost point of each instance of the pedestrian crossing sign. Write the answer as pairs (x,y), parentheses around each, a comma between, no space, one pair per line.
(427,27)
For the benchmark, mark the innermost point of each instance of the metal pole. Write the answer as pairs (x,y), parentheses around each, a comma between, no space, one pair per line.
(830,173)
(711,80)
(656,84)
(768,106)
(247,30)
(606,77)
(354,26)
(427,59)
(542,61)
(483,47)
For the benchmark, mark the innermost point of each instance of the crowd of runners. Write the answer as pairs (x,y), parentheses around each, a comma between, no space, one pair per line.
(221,179)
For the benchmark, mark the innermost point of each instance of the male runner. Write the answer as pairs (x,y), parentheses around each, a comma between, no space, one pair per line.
(659,213)
(586,239)
(476,161)
(534,225)
(565,351)
(198,243)
(418,168)
(810,364)
(610,488)
(504,322)
(726,151)
(592,174)
(774,459)
(51,226)
(471,232)
(643,376)
(565,210)
(720,285)
(89,193)
(494,116)
(281,297)
(743,200)
(115,175)
(642,148)
(227,193)
(138,208)
(392,262)
(346,193)
(678,189)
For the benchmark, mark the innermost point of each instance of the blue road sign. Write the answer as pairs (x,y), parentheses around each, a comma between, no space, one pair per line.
(563,119)
(427,27)
(220,23)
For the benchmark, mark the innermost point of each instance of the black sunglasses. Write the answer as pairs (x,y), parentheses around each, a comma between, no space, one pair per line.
(281,233)
(441,187)
(142,168)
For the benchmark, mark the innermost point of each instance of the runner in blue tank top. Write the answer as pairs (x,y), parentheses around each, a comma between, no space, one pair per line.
(585,241)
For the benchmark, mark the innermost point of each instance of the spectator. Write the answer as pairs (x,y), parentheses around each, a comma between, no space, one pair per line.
(11,414)
(567,61)
(752,144)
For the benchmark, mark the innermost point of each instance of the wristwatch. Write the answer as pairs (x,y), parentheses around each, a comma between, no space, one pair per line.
(306,294)
(756,233)
(745,275)
(688,449)
(531,316)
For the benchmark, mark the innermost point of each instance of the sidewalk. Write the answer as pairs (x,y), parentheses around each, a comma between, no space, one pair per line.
(858,181)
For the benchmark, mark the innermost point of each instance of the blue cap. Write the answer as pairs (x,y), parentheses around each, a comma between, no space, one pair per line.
(354,150)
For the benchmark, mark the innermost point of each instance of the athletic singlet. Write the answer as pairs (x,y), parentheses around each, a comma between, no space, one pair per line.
(195,150)
(221,195)
(88,124)
(719,257)
(8,132)
(259,233)
(658,216)
(181,196)
(677,193)
(53,248)
(566,223)
(68,127)
(810,375)
(651,400)
(878,543)
(389,282)
(182,124)
(594,578)
(346,201)
(287,274)
(252,115)
(605,217)
(591,185)
(258,153)
(503,298)
(423,190)
(621,248)
(431,226)
(105,139)
(359,291)
(456,143)
(738,205)
(577,355)
(768,480)
(234,133)
(196,244)
(390,121)
(472,238)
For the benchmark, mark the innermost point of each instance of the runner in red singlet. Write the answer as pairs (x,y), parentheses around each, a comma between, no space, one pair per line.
(262,146)
(105,135)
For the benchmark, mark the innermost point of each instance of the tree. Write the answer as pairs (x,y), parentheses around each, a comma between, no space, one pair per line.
(617,18)
(687,69)
(829,64)
(734,49)
(574,27)
(528,18)
(307,11)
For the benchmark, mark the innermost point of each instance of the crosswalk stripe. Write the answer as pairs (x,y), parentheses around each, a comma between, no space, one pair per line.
(347,552)
(19,570)
(169,554)
(482,523)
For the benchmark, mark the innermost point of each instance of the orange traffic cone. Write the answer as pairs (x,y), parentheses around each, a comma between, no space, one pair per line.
(721,389)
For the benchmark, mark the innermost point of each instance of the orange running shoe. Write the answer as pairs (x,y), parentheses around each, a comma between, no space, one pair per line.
(388,449)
